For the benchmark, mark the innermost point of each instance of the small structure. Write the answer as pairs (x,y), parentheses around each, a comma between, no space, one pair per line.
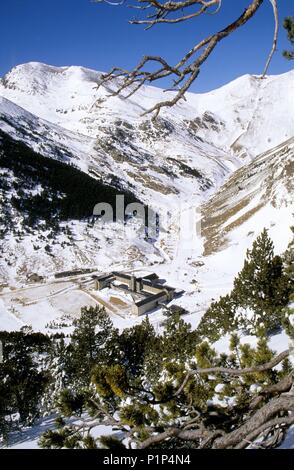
(75,272)
(103,281)
(149,303)
(35,278)
(152,292)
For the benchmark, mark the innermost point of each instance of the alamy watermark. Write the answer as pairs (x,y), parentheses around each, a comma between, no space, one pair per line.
(182,222)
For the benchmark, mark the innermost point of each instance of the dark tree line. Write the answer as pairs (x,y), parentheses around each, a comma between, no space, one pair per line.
(67,192)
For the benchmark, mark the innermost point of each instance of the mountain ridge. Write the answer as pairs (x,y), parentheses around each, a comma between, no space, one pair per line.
(81,105)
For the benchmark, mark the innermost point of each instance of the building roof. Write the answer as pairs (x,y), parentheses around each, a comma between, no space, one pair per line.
(168,288)
(150,299)
(102,276)
(123,275)
(157,285)
(151,276)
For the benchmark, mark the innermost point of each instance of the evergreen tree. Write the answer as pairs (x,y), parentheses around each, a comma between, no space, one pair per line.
(288,312)
(5,407)
(70,403)
(289,27)
(92,331)
(123,393)
(131,347)
(261,291)
(23,377)
(178,340)
(218,319)
(59,365)
(111,442)
(261,286)
(288,318)
(288,260)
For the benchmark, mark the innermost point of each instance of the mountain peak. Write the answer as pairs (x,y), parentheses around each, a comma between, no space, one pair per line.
(35,78)
(239,117)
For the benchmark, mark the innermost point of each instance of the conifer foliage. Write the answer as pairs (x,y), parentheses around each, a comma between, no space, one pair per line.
(289,27)
(261,291)
(23,378)
(167,388)
(88,341)
(262,286)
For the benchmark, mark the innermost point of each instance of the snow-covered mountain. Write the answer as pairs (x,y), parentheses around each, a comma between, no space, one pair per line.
(193,147)
(241,116)
(110,137)
(224,160)
(257,195)
(228,151)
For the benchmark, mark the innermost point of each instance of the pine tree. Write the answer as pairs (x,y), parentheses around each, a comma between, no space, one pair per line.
(22,375)
(92,331)
(261,291)
(121,392)
(288,260)
(289,27)
(70,403)
(218,319)
(288,319)
(111,442)
(61,370)
(110,380)
(261,285)
(288,311)
(178,341)
(133,345)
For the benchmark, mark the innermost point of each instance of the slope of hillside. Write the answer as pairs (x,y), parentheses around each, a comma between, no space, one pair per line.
(46,221)
(162,159)
(256,195)
(255,112)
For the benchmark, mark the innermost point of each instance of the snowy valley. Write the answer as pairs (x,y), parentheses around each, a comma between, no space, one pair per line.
(224,158)
(214,171)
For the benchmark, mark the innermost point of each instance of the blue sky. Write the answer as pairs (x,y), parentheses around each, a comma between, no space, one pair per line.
(80,32)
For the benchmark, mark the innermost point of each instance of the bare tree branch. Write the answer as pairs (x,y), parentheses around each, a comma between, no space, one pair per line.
(259,422)
(160,16)
(285,422)
(282,386)
(275,39)
(265,419)
(185,71)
